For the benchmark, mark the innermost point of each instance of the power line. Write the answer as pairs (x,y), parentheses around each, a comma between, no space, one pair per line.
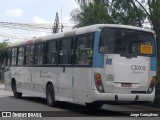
(14,37)
(34,25)
(45,27)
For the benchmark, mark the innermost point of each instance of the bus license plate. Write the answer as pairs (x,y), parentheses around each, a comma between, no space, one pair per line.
(126,85)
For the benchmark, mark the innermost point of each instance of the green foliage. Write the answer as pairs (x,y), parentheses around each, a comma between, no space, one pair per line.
(155,15)
(2,51)
(127,12)
(93,13)
(108,11)
(155,19)
(157,97)
(3,47)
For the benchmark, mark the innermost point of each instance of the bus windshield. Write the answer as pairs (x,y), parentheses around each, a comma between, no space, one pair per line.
(126,41)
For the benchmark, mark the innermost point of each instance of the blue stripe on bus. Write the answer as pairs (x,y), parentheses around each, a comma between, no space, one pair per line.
(153,64)
(98,58)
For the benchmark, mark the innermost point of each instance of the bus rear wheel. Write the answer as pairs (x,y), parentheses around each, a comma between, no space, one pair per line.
(50,96)
(14,89)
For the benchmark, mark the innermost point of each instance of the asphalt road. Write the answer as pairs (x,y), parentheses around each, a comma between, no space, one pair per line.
(67,111)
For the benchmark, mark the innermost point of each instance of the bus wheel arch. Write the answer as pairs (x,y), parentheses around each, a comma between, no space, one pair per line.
(14,89)
(50,94)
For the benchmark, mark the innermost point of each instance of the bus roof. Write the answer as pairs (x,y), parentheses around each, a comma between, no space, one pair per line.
(78,31)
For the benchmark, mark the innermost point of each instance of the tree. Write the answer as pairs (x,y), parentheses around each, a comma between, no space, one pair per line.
(95,12)
(2,56)
(83,1)
(127,12)
(55,27)
(2,51)
(153,14)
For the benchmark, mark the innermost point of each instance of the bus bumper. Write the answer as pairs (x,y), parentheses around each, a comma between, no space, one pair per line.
(113,97)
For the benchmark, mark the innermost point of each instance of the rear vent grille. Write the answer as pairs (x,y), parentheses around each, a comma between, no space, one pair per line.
(138,92)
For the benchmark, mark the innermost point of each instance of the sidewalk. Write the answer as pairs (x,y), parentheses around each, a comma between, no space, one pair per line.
(2,87)
(4,92)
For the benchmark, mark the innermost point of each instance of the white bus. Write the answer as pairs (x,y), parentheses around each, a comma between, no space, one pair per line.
(91,65)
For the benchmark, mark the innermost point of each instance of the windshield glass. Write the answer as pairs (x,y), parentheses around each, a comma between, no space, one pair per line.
(126,41)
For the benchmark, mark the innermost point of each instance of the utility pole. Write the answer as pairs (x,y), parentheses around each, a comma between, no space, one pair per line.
(62,27)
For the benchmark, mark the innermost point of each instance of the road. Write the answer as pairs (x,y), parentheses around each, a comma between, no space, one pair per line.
(67,111)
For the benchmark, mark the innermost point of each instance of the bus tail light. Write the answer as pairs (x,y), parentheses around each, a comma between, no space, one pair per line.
(98,82)
(97,76)
(152,85)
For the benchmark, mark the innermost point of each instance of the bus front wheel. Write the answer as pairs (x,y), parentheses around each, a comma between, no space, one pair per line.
(14,89)
(50,96)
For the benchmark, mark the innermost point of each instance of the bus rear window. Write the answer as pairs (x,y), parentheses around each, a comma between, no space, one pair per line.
(125,41)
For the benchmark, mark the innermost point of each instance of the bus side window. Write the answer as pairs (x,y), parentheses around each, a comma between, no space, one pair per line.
(84,49)
(39,52)
(29,55)
(14,56)
(66,51)
(8,57)
(20,55)
(51,52)
(28,47)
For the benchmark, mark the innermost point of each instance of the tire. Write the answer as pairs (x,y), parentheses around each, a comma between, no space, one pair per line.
(50,95)
(94,105)
(14,89)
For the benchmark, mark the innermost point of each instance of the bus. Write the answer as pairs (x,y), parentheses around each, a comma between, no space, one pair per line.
(92,66)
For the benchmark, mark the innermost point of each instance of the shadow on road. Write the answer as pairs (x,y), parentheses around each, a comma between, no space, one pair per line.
(69,109)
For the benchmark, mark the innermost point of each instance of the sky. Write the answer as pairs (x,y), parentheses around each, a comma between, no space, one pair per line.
(33,11)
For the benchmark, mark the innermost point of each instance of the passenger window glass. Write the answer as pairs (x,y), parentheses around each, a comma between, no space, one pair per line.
(20,55)
(126,41)
(8,61)
(39,51)
(52,52)
(29,54)
(14,56)
(66,51)
(84,49)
